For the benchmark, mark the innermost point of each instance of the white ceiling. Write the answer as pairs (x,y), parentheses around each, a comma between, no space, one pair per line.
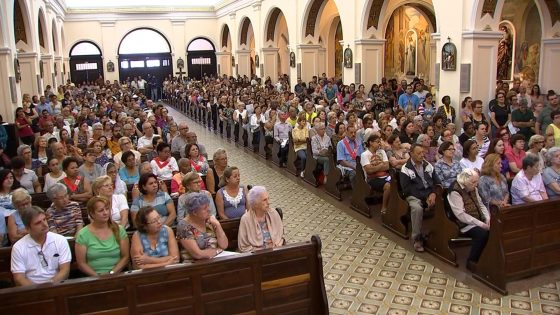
(107,4)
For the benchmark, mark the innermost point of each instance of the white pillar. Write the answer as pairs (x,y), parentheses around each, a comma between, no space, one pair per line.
(372,58)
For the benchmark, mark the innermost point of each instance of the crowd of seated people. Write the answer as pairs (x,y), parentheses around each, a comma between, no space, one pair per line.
(114,149)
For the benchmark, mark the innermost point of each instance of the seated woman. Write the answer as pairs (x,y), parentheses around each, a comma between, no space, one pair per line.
(164,166)
(192,182)
(201,236)
(375,165)
(493,184)
(79,189)
(152,196)
(197,160)
(20,200)
(320,144)
(300,134)
(63,216)
(119,186)
(398,154)
(231,198)
(55,175)
(89,169)
(551,174)
(129,173)
(103,187)
(446,168)
(154,244)
(260,227)
(471,213)
(217,170)
(471,159)
(27,178)
(527,185)
(430,152)
(102,246)
(516,154)
(497,146)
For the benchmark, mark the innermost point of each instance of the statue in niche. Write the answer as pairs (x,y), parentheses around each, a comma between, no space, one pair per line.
(41,68)
(17,70)
(348,58)
(449,57)
(505,54)
(292,59)
(410,55)
(257,60)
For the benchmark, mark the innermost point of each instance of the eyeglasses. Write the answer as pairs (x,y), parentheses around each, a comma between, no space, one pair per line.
(44,262)
(155,221)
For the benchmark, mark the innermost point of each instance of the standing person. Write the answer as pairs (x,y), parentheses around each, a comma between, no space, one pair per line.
(553,128)
(446,110)
(418,180)
(40,256)
(500,114)
(102,247)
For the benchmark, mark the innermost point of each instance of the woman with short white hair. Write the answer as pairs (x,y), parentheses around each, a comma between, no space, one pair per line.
(472,216)
(551,174)
(260,227)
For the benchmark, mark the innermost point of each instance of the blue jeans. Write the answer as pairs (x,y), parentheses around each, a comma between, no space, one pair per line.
(302,155)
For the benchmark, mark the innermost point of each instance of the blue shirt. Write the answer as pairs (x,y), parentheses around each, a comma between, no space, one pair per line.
(159,203)
(342,153)
(405,98)
(128,179)
(161,249)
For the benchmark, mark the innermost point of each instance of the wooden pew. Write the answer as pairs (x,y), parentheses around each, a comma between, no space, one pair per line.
(280,281)
(524,240)
(263,148)
(361,191)
(292,157)
(310,166)
(397,208)
(275,151)
(41,200)
(333,180)
(441,230)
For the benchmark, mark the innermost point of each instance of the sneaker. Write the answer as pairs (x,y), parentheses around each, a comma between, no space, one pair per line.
(418,246)
(301,174)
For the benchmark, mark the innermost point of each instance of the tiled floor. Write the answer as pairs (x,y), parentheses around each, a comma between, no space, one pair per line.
(367,269)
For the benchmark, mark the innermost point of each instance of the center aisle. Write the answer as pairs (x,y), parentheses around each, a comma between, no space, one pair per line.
(365,273)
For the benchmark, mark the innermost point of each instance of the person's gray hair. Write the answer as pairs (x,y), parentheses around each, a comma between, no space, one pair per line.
(218,152)
(254,193)
(19,195)
(530,160)
(56,189)
(29,213)
(97,124)
(523,102)
(195,201)
(534,139)
(21,148)
(466,175)
(183,161)
(550,154)
(421,138)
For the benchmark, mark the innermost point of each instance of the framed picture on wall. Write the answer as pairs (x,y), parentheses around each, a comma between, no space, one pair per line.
(110,66)
(348,58)
(292,59)
(17,70)
(449,57)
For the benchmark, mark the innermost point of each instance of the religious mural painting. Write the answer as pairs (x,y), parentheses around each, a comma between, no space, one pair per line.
(338,57)
(407,49)
(505,52)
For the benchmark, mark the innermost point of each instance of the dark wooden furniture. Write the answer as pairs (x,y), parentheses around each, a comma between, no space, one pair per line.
(334,178)
(263,148)
(362,193)
(397,208)
(292,157)
(310,166)
(275,152)
(524,240)
(285,280)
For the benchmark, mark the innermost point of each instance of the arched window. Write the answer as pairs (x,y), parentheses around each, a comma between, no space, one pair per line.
(86,62)
(138,58)
(201,58)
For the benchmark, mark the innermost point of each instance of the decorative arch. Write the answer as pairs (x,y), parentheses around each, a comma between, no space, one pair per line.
(272,19)
(244,31)
(549,11)
(22,25)
(129,36)
(42,30)
(54,35)
(226,38)
(311,17)
(85,48)
(86,61)
(201,58)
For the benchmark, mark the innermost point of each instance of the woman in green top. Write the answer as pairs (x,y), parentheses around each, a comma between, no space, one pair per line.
(102,246)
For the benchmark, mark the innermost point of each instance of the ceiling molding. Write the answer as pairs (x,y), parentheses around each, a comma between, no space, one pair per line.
(172,16)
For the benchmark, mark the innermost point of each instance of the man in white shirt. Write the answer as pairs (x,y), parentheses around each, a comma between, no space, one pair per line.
(145,142)
(40,256)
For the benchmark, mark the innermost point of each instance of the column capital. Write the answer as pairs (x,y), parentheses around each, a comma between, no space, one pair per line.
(5,51)
(27,55)
(269,49)
(308,46)
(370,41)
(482,35)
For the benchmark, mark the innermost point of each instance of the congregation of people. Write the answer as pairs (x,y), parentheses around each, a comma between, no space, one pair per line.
(107,150)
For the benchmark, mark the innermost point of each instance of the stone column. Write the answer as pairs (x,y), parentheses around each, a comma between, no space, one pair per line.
(30,79)
(371,54)
(550,59)
(310,61)
(224,61)
(8,75)
(244,62)
(48,65)
(269,60)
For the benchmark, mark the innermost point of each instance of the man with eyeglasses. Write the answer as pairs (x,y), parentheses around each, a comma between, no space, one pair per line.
(179,141)
(40,256)
(544,118)
(126,145)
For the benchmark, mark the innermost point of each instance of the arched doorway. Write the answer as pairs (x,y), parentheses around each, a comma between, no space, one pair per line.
(276,55)
(226,62)
(86,62)
(407,46)
(246,55)
(201,58)
(138,59)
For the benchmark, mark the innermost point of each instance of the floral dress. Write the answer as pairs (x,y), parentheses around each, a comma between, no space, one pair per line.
(204,240)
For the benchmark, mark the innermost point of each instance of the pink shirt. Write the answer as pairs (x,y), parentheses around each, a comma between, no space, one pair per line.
(517,159)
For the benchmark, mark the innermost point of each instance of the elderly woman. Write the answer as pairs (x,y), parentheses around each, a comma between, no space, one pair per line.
(536,145)
(430,152)
(164,166)
(216,171)
(471,213)
(20,200)
(446,168)
(260,227)
(320,144)
(471,159)
(493,184)
(300,134)
(191,182)
(103,186)
(63,216)
(79,188)
(200,234)
(27,178)
(551,174)
(231,198)
(153,244)
(528,185)
(102,246)
(152,196)
(197,160)
(129,173)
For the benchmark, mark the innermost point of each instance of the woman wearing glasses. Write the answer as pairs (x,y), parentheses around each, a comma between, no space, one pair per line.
(154,244)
